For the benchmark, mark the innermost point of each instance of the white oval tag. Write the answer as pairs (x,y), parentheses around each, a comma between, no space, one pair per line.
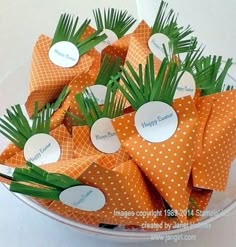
(42,149)
(186,86)
(156,43)
(111,38)
(99,92)
(64,54)
(83,197)
(103,136)
(156,121)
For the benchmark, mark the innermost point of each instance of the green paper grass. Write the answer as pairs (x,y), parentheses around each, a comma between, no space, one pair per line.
(191,61)
(218,74)
(109,68)
(68,30)
(144,86)
(61,98)
(117,21)
(166,23)
(113,107)
(15,126)
(36,182)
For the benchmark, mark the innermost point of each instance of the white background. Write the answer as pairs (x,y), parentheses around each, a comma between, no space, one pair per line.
(21,22)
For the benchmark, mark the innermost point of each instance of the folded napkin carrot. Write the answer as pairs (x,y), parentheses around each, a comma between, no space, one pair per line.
(156,160)
(121,47)
(167,163)
(125,191)
(61,135)
(216,131)
(98,173)
(58,109)
(109,68)
(216,140)
(95,134)
(20,132)
(121,184)
(166,37)
(46,78)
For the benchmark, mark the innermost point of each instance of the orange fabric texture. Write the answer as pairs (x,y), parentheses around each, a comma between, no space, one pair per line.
(121,46)
(118,49)
(63,138)
(83,146)
(58,116)
(47,79)
(74,167)
(56,120)
(124,189)
(168,164)
(76,86)
(216,140)
(138,48)
(8,152)
(202,198)
(93,70)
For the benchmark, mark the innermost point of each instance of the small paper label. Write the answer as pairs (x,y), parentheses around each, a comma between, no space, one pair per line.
(6,171)
(156,121)
(64,54)
(111,38)
(99,92)
(156,43)
(103,136)
(83,197)
(186,86)
(42,149)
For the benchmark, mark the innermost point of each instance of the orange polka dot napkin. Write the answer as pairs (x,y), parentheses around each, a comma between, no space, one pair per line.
(168,164)
(202,198)
(216,140)
(16,159)
(125,190)
(83,146)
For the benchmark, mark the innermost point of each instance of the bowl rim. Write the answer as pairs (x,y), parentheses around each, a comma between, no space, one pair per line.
(125,235)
